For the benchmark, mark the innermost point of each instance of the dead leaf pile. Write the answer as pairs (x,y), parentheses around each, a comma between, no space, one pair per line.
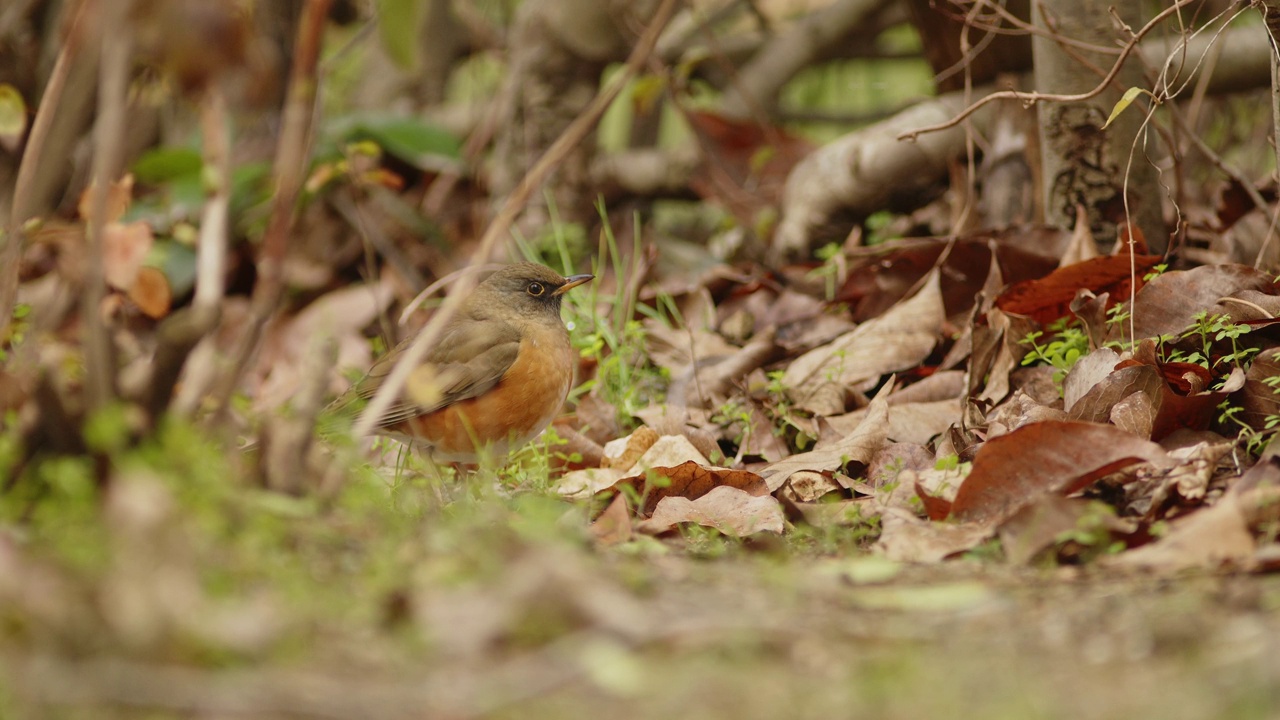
(1130,445)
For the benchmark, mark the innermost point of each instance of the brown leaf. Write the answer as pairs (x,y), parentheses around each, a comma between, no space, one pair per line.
(1208,538)
(907,538)
(728,509)
(915,423)
(1138,395)
(625,452)
(1047,457)
(806,486)
(935,507)
(119,195)
(1049,298)
(1259,399)
(690,481)
(858,446)
(1169,303)
(897,340)
(1088,372)
(1038,524)
(150,292)
(614,524)
(124,248)
(881,275)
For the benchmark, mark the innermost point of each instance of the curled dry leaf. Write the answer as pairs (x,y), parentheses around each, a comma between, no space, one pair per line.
(150,292)
(806,486)
(666,451)
(119,195)
(124,248)
(1208,538)
(613,526)
(907,538)
(897,340)
(1049,298)
(915,423)
(1138,397)
(1088,371)
(1047,457)
(1189,479)
(858,446)
(1169,303)
(728,509)
(625,452)
(689,480)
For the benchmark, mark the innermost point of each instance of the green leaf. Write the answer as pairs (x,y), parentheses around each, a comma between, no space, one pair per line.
(13,116)
(421,144)
(167,164)
(399,22)
(1129,96)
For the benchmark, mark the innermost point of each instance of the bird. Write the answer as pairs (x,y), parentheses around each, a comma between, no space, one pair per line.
(497,376)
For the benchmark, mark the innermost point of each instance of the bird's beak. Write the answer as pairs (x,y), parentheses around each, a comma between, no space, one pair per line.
(572,282)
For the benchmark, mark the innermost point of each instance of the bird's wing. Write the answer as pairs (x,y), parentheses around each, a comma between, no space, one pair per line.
(469,359)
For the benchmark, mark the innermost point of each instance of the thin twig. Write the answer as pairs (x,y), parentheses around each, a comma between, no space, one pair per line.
(211,261)
(511,208)
(108,138)
(1030,98)
(290,166)
(10,241)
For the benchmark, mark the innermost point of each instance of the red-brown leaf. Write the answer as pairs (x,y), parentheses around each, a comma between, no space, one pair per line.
(1045,457)
(1049,298)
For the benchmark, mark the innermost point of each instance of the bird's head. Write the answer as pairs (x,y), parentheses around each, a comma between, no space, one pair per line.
(525,290)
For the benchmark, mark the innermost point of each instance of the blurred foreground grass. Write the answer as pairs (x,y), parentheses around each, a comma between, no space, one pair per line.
(177,591)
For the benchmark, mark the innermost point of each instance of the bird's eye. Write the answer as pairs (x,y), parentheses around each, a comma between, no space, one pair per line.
(536,289)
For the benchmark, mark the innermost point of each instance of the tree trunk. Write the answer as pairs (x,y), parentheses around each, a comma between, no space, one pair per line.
(559,49)
(1082,163)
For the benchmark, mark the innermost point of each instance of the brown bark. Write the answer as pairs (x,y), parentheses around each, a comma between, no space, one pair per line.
(1083,164)
(559,49)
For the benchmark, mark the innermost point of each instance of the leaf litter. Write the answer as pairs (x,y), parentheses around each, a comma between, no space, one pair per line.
(1128,448)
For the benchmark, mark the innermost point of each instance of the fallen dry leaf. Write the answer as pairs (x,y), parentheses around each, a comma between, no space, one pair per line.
(897,340)
(1169,303)
(613,526)
(124,248)
(907,538)
(858,446)
(914,423)
(1046,457)
(728,509)
(691,481)
(1208,538)
(150,292)
(666,451)
(625,452)
(807,486)
(1049,298)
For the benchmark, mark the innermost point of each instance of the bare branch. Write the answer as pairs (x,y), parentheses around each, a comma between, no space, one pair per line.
(290,165)
(107,156)
(1031,98)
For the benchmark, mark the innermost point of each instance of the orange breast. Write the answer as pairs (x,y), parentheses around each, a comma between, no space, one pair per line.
(521,405)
